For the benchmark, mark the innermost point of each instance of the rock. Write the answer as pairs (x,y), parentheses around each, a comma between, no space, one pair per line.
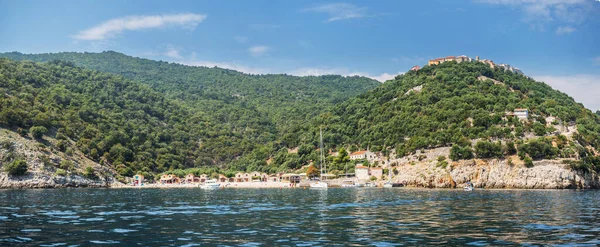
(44,180)
(545,174)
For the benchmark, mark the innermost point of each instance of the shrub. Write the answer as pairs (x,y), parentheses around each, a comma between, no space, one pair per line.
(67,165)
(22,132)
(441,158)
(486,149)
(8,145)
(125,172)
(443,164)
(373,178)
(16,168)
(540,148)
(539,129)
(46,161)
(461,152)
(510,148)
(89,173)
(60,172)
(528,162)
(62,145)
(38,131)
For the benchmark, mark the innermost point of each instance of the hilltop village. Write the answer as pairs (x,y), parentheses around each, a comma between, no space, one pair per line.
(463,58)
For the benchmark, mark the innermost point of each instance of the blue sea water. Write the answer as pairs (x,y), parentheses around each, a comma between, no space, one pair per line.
(298,217)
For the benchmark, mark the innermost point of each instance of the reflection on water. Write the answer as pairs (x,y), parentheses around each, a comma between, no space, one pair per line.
(296,217)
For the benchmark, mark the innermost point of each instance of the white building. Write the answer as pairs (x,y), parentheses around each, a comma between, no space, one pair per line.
(363,154)
(521,113)
(362,172)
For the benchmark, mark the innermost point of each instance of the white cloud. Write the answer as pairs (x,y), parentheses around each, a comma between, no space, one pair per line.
(339,11)
(191,60)
(584,88)
(241,39)
(172,52)
(227,65)
(258,50)
(341,71)
(565,30)
(543,11)
(113,27)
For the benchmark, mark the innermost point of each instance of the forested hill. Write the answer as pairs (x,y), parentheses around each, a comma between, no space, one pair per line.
(457,104)
(222,94)
(109,119)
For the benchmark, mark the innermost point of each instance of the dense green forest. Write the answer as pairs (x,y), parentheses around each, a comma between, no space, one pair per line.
(240,101)
(153,117)
(230,114)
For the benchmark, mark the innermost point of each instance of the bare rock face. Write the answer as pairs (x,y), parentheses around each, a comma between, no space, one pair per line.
(43,180)
(545,174)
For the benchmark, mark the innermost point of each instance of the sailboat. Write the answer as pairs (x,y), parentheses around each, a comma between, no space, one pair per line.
(389,183)
(321,184)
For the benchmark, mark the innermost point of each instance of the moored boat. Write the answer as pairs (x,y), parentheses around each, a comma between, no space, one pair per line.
(210,184)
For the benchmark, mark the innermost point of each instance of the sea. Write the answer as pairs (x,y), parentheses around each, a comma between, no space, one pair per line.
(299,217)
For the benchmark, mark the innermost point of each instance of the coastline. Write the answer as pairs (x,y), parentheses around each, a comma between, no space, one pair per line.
(248,185)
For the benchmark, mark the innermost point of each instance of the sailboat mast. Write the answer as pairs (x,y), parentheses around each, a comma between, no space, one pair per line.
(321,148)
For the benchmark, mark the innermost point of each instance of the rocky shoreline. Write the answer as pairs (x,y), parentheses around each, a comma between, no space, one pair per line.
(497,174)
(41,180)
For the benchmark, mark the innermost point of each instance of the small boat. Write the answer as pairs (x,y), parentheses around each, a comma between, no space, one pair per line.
(319,185)
(210,184)
(468,187)
(349,184)
(371,185)
(388,184)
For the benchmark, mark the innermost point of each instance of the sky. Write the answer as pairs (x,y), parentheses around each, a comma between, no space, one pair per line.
(555,41)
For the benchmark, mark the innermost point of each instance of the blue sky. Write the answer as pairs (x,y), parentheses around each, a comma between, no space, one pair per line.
(550,40)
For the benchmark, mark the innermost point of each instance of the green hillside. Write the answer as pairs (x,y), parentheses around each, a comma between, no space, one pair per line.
(226,96)
(451,104)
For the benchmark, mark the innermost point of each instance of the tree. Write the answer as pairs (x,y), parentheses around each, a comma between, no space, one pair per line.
(342,157)
(38,131)
(16,168)
(510,148)
(312,172)
(458,152)
(89,173)
(528,162)
(486,149)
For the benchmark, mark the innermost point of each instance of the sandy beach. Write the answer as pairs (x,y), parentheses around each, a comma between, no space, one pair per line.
(223,185)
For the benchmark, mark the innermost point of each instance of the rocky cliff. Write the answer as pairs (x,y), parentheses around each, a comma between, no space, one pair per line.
(493,173)
(48,167)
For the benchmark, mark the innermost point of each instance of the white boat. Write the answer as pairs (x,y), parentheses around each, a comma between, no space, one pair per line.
(370,185)
(210,184)
(348,184)
(468,187)
(388,184)
(321,184)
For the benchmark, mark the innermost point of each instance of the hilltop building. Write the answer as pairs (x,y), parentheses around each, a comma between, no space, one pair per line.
(415,68)
(463,58)
(363,154)
(458,59)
